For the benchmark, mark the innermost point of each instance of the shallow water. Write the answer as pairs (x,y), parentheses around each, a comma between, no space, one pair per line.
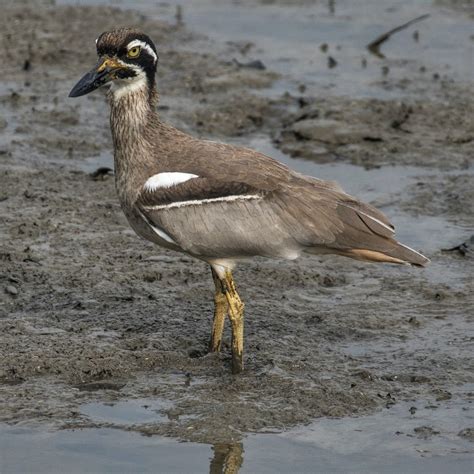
(288,37)
(417,437)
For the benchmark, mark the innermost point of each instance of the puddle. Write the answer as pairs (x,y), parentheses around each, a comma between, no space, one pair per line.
(96,450)
(385,442)
(420,437)
(127,412)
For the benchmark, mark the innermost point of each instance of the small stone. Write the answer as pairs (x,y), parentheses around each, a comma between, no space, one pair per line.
(443,395)
(326,131)
(332,63)
(467,433)
(425,432)
(10,289)
(466,249)
(414,322)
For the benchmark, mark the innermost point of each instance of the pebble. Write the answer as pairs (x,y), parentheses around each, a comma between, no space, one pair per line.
(332,63)
(467,433)
(10,289)
(329,131)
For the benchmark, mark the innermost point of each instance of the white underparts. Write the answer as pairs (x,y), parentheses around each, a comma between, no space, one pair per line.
(199,202)
(145,46)
(166,180)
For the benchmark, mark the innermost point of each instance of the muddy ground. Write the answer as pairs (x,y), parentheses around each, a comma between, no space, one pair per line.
(88,312)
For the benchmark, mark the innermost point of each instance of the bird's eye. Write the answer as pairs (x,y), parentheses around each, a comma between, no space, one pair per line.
(133,52)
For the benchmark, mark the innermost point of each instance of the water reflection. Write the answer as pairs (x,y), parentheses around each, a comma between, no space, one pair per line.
(332,6)
(386,441)
(228,458)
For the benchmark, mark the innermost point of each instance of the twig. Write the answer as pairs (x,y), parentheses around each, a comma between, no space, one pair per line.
(374,46)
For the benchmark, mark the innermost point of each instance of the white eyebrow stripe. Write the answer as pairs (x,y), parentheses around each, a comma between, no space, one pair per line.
(143,45)
(166,180)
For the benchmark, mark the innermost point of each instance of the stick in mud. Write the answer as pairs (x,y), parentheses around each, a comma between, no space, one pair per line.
(374,46)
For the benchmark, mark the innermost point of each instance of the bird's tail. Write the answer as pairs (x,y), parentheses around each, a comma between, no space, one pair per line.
(358,230)
(367,235)
(394,252)
(370,227)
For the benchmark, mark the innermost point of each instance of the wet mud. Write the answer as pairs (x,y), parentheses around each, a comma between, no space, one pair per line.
(90,314)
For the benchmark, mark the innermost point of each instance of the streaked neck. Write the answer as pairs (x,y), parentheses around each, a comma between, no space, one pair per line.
(132,113)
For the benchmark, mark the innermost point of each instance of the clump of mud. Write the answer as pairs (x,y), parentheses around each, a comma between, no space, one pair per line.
(372,133)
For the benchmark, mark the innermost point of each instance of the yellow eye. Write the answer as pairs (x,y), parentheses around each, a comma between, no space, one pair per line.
(133,52)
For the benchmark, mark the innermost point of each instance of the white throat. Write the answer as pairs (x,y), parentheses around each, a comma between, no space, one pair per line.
(123,87)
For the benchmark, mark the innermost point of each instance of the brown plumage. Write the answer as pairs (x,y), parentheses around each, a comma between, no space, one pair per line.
(217,202)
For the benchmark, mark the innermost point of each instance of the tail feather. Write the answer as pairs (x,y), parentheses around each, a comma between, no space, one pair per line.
(395,253)
(338,223)
(368,235)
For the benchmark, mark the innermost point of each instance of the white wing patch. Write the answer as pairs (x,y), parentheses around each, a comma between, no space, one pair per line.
(145,46)
(166,180)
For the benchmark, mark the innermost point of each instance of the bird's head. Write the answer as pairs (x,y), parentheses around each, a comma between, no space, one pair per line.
(127,60)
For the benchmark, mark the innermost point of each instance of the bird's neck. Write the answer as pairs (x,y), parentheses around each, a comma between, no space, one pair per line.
(132,105)
(132,113)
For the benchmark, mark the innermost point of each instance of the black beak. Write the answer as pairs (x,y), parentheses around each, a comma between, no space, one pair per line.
(89,82)
(95,78)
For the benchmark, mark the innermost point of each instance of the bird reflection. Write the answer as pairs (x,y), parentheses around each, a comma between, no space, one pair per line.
(228,458)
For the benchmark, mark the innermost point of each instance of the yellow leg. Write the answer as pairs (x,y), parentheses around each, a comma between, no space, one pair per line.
(220,312)
(236,316)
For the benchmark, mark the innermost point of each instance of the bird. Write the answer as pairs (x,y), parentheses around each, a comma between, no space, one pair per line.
(221,203)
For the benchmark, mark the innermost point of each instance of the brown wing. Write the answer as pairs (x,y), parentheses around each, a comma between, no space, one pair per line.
(246,203)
